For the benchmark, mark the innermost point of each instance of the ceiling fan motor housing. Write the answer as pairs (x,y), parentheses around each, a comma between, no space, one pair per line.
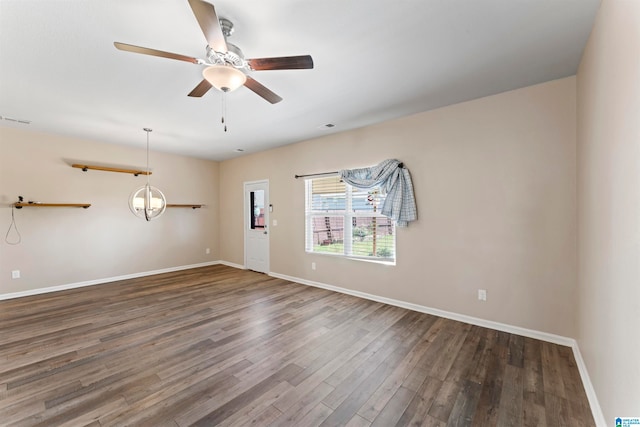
(233,56)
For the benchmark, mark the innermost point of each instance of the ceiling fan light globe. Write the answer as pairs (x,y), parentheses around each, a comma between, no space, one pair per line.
(224,77)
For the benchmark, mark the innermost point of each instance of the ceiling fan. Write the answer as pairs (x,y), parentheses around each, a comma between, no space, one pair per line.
(226,65)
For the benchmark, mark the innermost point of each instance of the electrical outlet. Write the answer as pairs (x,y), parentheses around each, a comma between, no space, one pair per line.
(482,294)
(15,274)
(207,251)
(313,265)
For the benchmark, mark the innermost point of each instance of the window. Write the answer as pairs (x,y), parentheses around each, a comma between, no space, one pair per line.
(344,220)
(257,209)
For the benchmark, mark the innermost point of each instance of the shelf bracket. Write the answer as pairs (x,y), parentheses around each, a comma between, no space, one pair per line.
(172,205)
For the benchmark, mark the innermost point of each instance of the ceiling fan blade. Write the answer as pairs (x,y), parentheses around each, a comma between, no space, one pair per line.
(154,52)
(262,91)
(302,62)
(202,88)
(210,24)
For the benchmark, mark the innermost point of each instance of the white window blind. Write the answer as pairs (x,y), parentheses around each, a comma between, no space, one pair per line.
(344,220)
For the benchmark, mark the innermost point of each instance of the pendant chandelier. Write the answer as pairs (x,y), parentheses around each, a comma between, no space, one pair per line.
(147,202)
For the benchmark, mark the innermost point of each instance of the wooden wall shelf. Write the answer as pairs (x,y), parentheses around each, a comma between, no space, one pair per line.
(20,205)
(108,169)
(183,206)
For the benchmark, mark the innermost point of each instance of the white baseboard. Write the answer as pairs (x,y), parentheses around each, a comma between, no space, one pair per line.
(231,264)
(543,336)
(104,280)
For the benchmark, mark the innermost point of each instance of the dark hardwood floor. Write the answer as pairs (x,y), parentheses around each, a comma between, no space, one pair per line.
(221,346)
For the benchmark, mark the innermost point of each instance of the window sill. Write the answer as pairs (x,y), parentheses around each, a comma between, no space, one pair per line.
(382,261)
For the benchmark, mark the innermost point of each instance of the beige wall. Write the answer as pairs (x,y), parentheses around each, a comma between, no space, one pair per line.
(495,185)
(62,246)
(609,208)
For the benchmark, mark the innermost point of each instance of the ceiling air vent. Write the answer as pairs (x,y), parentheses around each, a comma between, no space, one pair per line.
(11,119)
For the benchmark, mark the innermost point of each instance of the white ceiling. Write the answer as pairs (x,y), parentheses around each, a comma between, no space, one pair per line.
(375,60)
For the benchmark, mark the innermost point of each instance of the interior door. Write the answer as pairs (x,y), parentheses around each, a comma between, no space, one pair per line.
(256,222)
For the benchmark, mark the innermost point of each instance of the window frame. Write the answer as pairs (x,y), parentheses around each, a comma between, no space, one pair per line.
(348,216)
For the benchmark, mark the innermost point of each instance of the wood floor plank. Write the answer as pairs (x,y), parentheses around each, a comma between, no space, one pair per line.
(92,416)
(510,412)
(533,382)
(317,378)
(443,404)
(394,381)
(266,417)
(465,404)
(174,396)
(221,346)
(464,360)
(416,412)
(16,412)
(484,354)
(341,340)
(358,421)
(301,406)
(516,350)
(349,396)
(270,356)
(437,339)
(580,413)
(573,384)
(378,342)
(557,411)
(365,389)
(252,411)
(493,386)
(395,407)
(441,366)
(377,361)
(429,421)
(316,416)
(551,371)
(533,415)
(250,395)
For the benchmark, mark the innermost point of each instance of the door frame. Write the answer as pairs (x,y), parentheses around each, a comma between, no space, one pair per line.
(246,220)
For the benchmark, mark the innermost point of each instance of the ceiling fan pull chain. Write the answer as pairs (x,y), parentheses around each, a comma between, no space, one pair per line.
(224,109)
